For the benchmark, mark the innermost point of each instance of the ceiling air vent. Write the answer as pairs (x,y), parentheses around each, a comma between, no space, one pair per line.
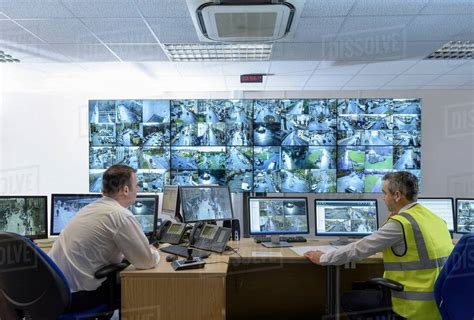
(244,21)
(454,50)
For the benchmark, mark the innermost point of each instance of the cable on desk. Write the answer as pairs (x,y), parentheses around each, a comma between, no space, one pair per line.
(234,250)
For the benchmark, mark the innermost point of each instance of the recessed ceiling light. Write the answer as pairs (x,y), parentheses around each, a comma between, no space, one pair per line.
(454,50)
(218,51)
(4,57)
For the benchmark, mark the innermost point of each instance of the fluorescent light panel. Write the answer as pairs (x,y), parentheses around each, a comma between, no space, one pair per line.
(218,51)
(454,50)
(4,57)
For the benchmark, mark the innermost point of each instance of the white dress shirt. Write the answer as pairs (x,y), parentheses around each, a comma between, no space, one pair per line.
(389,235)
(101,233)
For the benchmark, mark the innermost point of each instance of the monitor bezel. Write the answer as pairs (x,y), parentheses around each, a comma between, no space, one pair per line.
(278,233)
(155,212)
(456,215)
(182,191)
(45,198)
(177,215)
(452,206)
(343,234)
(53,195)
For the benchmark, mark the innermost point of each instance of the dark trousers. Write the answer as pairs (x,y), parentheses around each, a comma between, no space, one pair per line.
(83,300)
(359,304)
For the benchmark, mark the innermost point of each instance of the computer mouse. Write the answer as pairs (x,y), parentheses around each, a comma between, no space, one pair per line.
(171,257)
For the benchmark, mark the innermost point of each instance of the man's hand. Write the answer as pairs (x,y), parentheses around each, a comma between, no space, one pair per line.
(314,256)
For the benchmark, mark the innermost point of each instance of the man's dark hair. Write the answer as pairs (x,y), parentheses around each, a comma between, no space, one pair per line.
(115,178)
(403,181)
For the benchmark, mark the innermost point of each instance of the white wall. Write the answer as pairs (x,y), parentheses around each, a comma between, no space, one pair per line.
(44,139)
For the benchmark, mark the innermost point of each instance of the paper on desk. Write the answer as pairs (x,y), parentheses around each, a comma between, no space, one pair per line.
(266,254)
(301,250)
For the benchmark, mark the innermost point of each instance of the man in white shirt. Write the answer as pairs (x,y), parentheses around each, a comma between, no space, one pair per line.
(102,233)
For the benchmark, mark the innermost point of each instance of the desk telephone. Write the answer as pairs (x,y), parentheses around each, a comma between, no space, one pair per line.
(171,232)
(210,237)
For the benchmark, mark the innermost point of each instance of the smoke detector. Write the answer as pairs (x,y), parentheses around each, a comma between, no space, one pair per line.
(244,20)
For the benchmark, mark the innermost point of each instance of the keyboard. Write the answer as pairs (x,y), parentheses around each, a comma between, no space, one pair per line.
(183,251)
(287,239)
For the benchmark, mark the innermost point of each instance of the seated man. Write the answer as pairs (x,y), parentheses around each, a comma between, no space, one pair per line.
(415,244)
(102,233)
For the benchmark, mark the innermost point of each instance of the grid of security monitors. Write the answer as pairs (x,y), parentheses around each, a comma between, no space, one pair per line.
(257,145)
(274,221)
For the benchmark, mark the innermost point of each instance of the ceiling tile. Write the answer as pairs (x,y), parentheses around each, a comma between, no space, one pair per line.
(34,53)
(59,31)
(449,7)
(316,29)
(139,52)
(120,30)
(434,66)
(373,28)
(166,8)
(12,33)
(300,68)
(18,9)
(322,88)
(290,81)
(297,51)
(411,80)
(174,30)
(387,67)
(328,81)
(369,81)
(447,87)
(238,68)
(318,8)
(102,8)
(466,87)
(85,52)
(440,27)
(199,68)
(387,7)
(466,68)
(335,68)
(452,80)
(158,69)
(286,88)
(406,87)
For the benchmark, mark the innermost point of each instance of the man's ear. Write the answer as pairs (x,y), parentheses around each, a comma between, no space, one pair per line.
(126,189)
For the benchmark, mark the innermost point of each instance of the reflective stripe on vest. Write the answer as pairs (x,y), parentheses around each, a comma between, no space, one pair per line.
(413,295)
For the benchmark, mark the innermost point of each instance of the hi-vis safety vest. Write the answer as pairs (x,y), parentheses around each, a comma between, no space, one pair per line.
(428,245)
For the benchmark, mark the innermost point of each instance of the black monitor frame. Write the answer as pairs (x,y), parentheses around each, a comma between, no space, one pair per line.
(343,234)
(155,212)
(177,215)
(45,212)
(457,214)
(182,191)
(282,232)
(54,195)
(452,206)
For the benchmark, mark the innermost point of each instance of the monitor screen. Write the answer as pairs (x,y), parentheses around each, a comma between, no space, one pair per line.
(465,215)
(65,206)
(145,211)
(442,207)
(345,217)
(278,216)
(205,203)
(170,204)
(25,215)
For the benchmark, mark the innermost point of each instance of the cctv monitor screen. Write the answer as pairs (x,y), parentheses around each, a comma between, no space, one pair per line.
(65,206)
(205,203)
(25,215)
(271,216)
(346,217)
(170,204)
(465,215)
(442,207)
(145,211)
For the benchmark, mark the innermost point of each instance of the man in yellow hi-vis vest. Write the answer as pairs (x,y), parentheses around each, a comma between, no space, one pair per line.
(415,244)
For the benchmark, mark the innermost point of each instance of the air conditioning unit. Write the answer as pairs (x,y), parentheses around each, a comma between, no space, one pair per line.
(244,20)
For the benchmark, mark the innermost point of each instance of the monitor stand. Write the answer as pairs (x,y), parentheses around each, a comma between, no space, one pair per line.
(276,243)
(342,241)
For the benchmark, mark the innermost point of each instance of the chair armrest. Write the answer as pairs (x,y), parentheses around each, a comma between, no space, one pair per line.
(386,283)
(109,269)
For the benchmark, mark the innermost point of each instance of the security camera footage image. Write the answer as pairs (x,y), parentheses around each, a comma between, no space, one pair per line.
(65,207)
(346,217)
(465,215)
(257,145)
(144,210)
(278,216)
(24,215)
(205,203)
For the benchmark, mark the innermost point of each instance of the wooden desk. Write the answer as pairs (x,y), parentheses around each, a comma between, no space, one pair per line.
(258,284)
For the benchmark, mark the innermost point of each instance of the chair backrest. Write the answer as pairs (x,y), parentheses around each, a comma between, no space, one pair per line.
(455,284)
(30,281)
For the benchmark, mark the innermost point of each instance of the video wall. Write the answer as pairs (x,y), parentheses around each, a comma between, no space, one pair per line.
(263,145)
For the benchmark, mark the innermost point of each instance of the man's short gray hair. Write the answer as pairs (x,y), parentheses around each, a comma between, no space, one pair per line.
(404,182)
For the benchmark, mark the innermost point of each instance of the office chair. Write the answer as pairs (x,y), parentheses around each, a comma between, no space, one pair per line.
(33,286)
(455,283)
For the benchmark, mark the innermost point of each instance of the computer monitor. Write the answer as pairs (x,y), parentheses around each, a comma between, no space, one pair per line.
(170,202)
(65,206)
(464,215)
(277,216)
(345,218)
(24,215)
(145,210)
(442,207)
(205,203)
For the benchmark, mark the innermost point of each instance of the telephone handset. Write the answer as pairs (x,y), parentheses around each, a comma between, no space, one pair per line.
(209,237)
(170,232)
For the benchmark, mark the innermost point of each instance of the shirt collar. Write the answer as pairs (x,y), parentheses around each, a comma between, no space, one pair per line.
(408,206)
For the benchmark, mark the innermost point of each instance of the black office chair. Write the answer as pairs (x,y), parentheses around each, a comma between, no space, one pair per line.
(32,285)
